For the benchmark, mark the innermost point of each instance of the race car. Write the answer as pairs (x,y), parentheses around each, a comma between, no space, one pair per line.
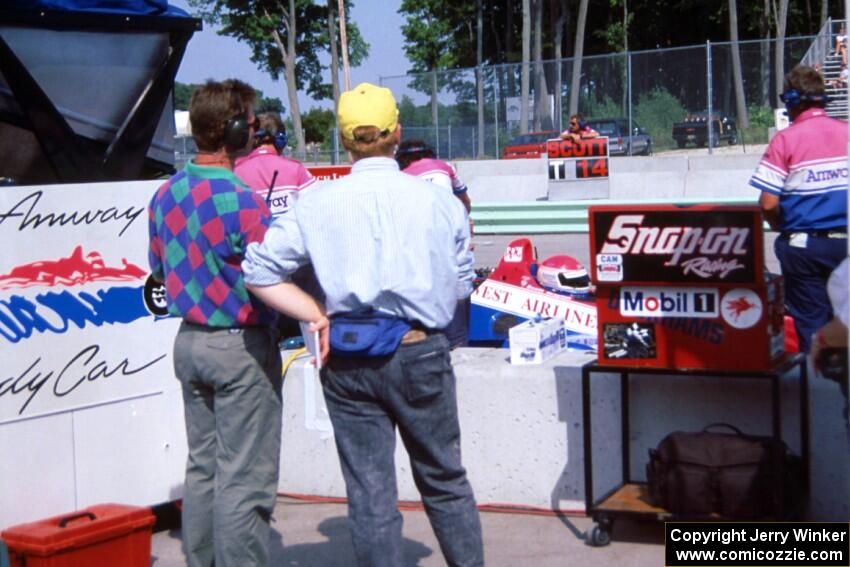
(520,288)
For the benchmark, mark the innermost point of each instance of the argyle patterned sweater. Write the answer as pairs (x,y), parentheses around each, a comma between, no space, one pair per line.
(200,222)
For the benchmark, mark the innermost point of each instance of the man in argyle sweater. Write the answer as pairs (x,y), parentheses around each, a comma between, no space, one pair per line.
(226,352)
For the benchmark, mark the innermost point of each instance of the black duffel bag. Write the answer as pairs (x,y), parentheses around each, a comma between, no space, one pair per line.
(732,475)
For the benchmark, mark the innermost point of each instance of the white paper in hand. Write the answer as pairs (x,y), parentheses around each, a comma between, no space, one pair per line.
(311,341)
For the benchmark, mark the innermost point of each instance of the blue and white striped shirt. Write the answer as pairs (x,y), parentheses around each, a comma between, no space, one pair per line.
(377,238)
(805,165)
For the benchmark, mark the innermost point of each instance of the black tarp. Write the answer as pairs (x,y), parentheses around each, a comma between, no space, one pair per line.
(137,7)
(85,93)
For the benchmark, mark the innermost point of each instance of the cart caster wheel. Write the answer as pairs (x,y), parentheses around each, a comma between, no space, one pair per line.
(599,536)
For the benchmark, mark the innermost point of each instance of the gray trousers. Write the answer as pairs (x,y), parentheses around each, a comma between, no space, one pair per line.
(232,397)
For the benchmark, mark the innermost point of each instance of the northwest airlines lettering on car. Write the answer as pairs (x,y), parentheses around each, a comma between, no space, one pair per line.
(675,245)
(527,303)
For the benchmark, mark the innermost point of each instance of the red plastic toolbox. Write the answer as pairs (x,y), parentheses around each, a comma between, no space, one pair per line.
(105,534)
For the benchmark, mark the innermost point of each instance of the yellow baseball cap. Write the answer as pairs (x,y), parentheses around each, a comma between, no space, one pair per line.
(367,105)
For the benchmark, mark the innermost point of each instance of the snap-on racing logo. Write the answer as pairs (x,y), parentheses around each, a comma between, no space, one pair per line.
(696,252)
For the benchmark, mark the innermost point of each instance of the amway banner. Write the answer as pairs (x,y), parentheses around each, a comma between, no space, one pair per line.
(81,323)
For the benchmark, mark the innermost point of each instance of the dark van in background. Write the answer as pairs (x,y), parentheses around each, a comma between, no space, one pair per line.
(617,130)
(694,129)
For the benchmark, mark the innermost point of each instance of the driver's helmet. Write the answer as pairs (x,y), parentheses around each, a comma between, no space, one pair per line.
(563,274)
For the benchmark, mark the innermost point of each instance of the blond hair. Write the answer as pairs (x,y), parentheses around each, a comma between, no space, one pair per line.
(369,141)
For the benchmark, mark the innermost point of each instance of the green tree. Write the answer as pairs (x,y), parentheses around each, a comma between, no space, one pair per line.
(615,33)
(602,107)
(761,119)
(656,112)
(542,110)
(526,57)
(479,80)
(333,26)
(740,99)
(285,37)
(182,95)
(428,32)
(272,104)
(318,125)
(412,115)
(575,83)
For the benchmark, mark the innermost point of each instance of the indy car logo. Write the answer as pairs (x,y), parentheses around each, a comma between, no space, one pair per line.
(704,247)
(76,269)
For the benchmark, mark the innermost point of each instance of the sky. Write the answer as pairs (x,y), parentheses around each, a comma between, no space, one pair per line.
(213,56)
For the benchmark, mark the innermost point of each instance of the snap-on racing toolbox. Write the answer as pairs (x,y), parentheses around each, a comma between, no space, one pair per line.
(105,534)
(685,287)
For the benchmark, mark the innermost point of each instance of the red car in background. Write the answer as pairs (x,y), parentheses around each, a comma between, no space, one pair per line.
(531,145)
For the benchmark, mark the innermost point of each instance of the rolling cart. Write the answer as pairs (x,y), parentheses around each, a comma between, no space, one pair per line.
(631,498)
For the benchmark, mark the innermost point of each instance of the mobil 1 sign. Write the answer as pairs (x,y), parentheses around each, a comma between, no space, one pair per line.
(665,244)
(692,302)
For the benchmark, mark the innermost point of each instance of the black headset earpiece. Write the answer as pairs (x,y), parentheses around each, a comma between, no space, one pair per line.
(821,98)
(412,150)
(279,140)
(792,98)
(237,132)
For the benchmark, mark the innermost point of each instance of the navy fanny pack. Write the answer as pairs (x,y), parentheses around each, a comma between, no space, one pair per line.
(368,334)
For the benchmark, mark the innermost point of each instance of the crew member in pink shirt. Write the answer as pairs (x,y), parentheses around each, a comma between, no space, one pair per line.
(276,178)
(803,182)
(415,157)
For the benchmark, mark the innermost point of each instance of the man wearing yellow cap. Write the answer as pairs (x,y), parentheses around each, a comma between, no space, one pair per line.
(392,256)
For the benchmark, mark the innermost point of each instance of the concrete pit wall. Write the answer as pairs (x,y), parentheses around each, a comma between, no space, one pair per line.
(522,436)
(718,176)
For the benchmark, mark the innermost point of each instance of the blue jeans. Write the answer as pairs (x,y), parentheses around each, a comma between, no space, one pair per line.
(457,332)
(413,389)
(806,271)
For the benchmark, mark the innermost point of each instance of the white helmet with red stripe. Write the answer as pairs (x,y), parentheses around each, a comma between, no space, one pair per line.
(563,274)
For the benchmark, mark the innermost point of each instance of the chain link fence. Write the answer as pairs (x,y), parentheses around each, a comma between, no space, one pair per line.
(647,90)
(650,89)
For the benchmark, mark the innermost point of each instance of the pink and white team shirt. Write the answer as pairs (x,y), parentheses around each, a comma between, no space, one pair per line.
(805,165)
(437,172)
(264,166)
